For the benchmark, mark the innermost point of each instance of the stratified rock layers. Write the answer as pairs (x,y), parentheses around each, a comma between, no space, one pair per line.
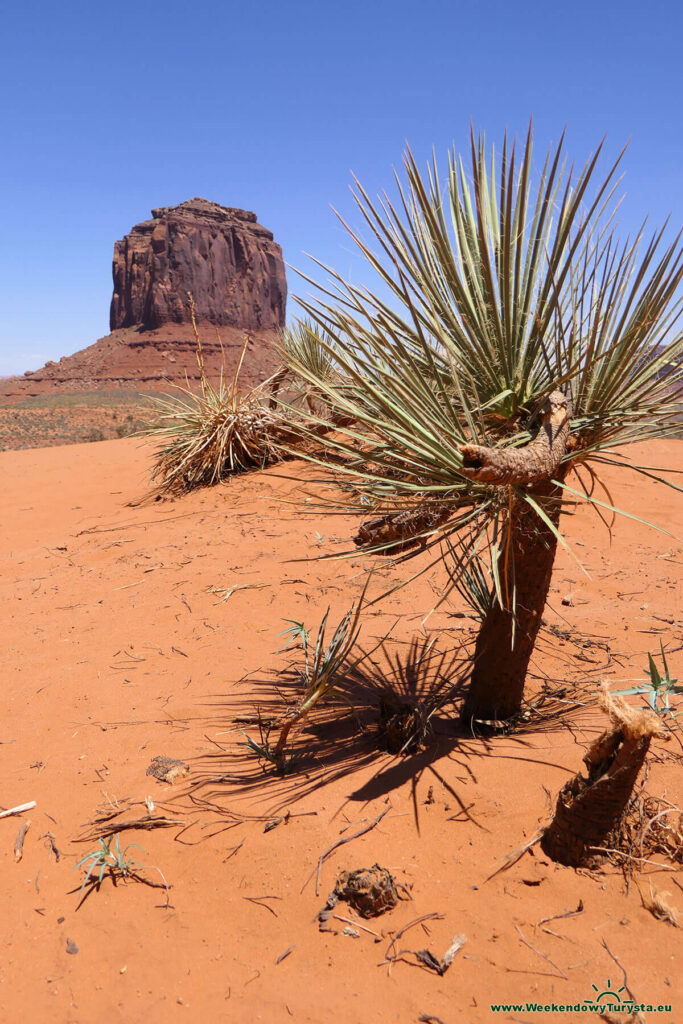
(229,262)
(236,275)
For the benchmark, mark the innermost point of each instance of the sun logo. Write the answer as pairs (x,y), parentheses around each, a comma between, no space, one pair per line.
(608,994)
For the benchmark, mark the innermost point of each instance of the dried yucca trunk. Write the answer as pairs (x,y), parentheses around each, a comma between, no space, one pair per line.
(590,808)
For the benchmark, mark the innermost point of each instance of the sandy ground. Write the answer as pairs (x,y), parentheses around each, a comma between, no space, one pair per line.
(43,425)
(116,650)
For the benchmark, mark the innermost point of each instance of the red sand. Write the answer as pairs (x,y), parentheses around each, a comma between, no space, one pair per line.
(115,651)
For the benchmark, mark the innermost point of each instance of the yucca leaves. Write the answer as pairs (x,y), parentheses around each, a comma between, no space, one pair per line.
(208,434)
(303,344)
(502,286)
(323,670)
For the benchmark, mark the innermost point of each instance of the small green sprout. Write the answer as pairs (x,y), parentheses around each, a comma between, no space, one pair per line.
(264,751)
(659,690)
(323,670)
(109,857)
(296,634)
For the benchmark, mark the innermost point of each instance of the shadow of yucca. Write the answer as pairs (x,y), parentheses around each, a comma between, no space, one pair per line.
(395,698)
(397,707)
(405,691)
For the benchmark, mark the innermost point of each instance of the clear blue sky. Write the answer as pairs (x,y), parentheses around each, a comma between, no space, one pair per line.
(109,109)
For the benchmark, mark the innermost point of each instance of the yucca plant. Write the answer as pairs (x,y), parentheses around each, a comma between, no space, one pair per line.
(307,344)
(322,671)
(211,435)
(221,429)
(512,348)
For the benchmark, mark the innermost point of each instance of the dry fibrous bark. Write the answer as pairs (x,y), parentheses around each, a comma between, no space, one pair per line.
(401,529)
(371,891)
(538,460)
(508,635)
(167,769)
(590,808)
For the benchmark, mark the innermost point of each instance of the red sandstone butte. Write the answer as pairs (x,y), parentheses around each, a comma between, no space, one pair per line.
(235,272)
(226,259)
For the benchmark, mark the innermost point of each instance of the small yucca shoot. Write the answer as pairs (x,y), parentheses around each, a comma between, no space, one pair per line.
(108,857)
(323,669)
(659,690)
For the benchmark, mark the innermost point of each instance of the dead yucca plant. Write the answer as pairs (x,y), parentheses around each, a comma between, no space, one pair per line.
(591,809)
(208,435)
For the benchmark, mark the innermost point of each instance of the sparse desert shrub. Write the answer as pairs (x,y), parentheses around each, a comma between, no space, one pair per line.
(130,426)
(512,341)
(96,434)
(221,430)
(214,433)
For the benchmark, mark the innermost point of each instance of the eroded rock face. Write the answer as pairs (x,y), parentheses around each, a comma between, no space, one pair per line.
(229,262)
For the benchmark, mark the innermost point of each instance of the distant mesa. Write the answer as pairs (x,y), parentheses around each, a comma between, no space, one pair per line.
(226,259)
(235,272)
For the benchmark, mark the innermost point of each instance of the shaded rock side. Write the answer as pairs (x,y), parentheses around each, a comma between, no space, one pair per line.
(229,262)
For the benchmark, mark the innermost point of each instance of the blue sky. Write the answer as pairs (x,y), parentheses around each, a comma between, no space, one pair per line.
(110,109)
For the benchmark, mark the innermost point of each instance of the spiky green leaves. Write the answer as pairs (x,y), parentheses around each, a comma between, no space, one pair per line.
(494,290)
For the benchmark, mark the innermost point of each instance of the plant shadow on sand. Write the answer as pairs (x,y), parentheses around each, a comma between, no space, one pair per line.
(398,707)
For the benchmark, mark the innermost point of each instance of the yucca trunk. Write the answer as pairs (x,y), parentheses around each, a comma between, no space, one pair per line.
(590,809)
(508,634)
(506,641)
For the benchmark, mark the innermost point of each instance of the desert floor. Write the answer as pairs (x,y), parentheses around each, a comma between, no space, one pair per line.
(123,639)
(70,418)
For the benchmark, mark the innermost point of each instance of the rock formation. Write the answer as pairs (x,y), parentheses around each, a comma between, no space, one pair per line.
(226,259)
(236,274)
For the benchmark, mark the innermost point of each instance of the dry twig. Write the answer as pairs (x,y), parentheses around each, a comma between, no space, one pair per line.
(19,845)
(17,810)
(102,831)
(340,842)
(51,844)
(391,956)
(543,956)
